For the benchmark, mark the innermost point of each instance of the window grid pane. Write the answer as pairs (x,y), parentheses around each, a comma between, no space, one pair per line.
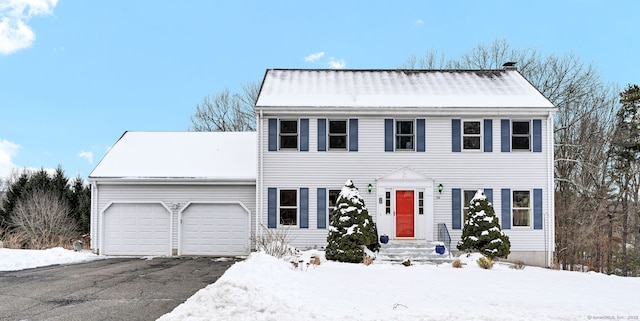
(471,135)
(333,199)
(467,197)
(338,134)
(521,208)
(521,135)
(388,202)
(288,207)
(404,135)
(420,203)
(288,134)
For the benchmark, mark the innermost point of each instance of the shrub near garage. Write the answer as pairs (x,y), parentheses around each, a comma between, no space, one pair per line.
(351,228)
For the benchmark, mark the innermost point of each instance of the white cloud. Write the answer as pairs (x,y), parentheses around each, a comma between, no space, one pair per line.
(15,33)
(419,22)
(86,155)
(314,57)
(337,63)
(8,150)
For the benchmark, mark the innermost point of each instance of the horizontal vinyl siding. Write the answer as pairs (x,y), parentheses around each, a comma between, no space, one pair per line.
(174,194)
(477,169)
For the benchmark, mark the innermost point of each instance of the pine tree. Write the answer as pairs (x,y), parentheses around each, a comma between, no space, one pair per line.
(482,231)
(351,228)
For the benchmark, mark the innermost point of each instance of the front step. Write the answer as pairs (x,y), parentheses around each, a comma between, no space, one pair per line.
(417,251)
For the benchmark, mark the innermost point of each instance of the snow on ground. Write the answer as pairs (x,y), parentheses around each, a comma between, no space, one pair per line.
(265,288)
(13,260)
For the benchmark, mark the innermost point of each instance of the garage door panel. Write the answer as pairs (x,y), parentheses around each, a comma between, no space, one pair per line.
(136,229)
(214,229)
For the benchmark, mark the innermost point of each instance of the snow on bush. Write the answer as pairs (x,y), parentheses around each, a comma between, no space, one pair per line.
(482,231)
(351,228)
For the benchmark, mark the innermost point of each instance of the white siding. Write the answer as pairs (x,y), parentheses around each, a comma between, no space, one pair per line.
(465,170)
(168,194)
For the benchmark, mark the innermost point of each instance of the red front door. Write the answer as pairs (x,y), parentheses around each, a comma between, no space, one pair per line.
(404,214)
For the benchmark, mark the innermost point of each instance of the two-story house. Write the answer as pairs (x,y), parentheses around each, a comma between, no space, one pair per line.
(417,143)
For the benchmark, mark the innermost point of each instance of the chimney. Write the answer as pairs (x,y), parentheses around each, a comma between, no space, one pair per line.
(509,65)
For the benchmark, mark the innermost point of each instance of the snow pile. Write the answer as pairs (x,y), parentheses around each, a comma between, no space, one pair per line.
(265,288)
(13,260)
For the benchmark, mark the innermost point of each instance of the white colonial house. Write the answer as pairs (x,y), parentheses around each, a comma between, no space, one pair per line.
(417,143)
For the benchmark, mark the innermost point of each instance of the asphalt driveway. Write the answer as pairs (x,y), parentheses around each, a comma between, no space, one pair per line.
(110,289)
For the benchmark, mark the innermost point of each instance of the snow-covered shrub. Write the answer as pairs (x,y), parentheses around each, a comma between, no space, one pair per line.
(456,263)
(274,242)
(485,262)
(482,231)
(351,228)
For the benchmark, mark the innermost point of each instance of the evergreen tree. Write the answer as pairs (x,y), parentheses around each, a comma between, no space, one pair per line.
(482,231)
(351,228)
(81,204)
(14,191)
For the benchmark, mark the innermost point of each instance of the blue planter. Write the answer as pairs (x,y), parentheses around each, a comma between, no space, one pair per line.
(440,249)
(384,239)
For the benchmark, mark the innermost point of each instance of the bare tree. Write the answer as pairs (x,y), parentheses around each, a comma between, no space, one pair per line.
(227,111)
(583,131)
(42,220)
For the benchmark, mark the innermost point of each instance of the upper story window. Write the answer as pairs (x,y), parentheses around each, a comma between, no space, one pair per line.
(288,134)
(471,135)
(521,208)
(338,135)
(520,135)
(288,207)
(404,135)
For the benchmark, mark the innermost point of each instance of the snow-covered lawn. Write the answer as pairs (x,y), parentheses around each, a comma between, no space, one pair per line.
(265,288)
(13,260)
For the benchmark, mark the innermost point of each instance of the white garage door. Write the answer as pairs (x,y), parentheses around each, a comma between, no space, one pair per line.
(214,229)
(136,229)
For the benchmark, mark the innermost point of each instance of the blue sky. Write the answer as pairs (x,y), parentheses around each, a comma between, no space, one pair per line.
(74,75)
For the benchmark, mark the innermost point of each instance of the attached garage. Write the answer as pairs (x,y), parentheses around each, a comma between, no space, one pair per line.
(214,229)
(175,193)
(137,229)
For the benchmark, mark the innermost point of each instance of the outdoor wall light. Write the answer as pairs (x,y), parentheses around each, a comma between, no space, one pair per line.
(440,188)
(369,188)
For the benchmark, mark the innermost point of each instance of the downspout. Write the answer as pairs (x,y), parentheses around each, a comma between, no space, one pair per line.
(550,230)
(260,183)
(94,218)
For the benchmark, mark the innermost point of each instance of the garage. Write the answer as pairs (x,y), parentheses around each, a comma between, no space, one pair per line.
(214,229)
(137,229)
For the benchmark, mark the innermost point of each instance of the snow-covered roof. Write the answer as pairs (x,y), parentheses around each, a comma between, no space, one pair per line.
(225,156)
(398,88)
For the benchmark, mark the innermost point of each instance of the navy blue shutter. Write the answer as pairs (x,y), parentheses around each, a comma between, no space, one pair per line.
(506,208)
(488,135)
(488,192)
(420,134)
(388,135)
(456,208)
(353,135)
(455,135)
(273,134)
(322,208)
(304,134)
(537,135)
(304,207)
(272,204)
(505,135)
(537,208)
(322,135)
